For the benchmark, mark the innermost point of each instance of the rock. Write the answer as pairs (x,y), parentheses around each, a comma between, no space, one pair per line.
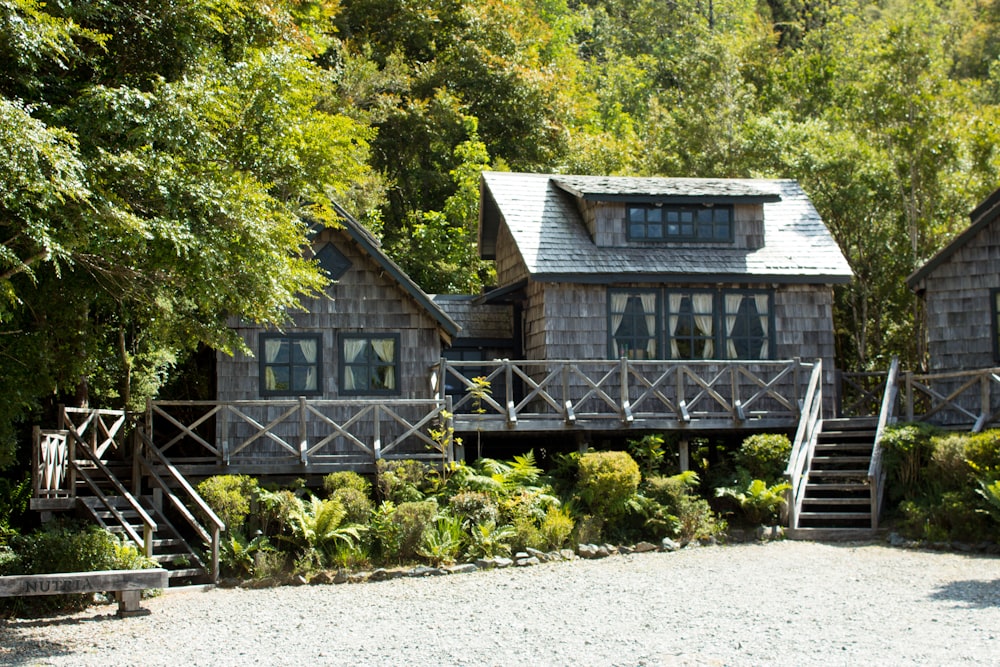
(567,554)
(342,577)
(603,551)
(610,548)
(502,562)
(669,545)
(588,551)
(525,562)
(298,580)
(229,582)
(486,563)
(555,556)
(463,568)
(422,571)
(358,577)
(625,550)
(321,578)
(520,554)
(896,540)
(768,533)
(644,547)
(540,555)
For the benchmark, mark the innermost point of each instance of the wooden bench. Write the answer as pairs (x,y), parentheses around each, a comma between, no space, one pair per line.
(128,585)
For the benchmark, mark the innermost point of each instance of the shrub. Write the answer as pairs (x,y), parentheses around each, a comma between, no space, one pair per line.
(317,524)
(758,501)
(229,497)
(949,466)
(648,451)
(983,450)
(488,540)
(412,519)
(473,507)
(357,505)
(555,529)
(401,481)
(765,456)
(347,479)
(442,540)
(907,450)
(607,480)
(694,516)
(526,534)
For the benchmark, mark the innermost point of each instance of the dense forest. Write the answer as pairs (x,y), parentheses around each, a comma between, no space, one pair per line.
(161,159)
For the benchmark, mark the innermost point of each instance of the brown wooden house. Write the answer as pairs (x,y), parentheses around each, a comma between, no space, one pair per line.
(677,269)
(960,288)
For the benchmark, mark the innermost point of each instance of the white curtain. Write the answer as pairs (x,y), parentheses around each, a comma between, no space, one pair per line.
(649,310)
(618,302)
(308,349)
(703,318)
(760,300)
(385,349)
(272,349)
(733,302)
(674,301)
(353,349)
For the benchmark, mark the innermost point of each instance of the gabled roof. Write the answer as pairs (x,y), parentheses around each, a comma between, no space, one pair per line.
(981,216)
(541,213)
(364,238)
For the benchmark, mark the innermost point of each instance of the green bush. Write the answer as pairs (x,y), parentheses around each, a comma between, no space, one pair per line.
(229,497)
(907,451)
(694,516)
(474,507)
(442,540)
(346,480)
(983,451)
(607,480)
(759,502)
(356,504)
(948,467)
(412,519)
(765,456)
(401,481)
(555,529)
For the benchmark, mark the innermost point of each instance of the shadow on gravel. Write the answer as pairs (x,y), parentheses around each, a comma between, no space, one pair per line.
(971,593)
(20,646)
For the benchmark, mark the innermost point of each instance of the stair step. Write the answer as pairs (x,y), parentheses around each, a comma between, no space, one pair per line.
(186,572)
(842,516)
(830,534)
(855,473)
(836,486)
(836,501)
(841,459)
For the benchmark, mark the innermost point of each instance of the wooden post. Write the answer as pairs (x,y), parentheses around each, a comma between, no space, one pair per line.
(303,431)
(377,445)
(909,396)
(36,460)
(683,450)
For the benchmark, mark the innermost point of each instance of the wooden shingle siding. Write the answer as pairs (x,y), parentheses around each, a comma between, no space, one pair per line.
(957,296)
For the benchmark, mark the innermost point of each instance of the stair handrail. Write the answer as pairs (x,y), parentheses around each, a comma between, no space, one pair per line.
(210,534)
(804,444)
(886,417)
(148,524)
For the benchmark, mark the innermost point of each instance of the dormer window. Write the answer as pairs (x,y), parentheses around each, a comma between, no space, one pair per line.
(674,222)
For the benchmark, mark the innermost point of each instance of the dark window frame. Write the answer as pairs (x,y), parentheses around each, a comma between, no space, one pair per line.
(369,363)
(696,224)
(613,348)
(290,364)
(720,337)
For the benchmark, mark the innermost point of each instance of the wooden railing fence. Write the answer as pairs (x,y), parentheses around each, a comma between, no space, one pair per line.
(622,391)
(886,417)
(152,465)
(969,399)
(804,444)
(299,432)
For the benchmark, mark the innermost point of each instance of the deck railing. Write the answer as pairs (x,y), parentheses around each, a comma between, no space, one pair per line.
(804,444)
(969,399)
(605,393)
(297,432)
(886,417)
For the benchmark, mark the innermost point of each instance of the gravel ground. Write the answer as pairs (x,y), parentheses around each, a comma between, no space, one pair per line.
(786,602)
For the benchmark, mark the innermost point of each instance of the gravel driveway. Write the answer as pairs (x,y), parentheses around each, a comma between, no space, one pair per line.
(796,603)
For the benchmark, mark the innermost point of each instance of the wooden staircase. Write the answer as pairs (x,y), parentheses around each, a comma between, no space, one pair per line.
(170,549)
(838,496)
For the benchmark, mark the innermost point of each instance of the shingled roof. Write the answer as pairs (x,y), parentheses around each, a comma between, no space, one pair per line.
(551,237)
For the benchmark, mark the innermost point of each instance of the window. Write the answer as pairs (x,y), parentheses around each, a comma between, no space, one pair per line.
(691,325)
(290,365)
(633,319)
(369,364)
(696,324)
(747,322)
(669,222)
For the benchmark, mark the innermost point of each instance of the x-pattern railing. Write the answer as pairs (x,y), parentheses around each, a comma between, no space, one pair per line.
(970,398)
(296,430)
(625,389)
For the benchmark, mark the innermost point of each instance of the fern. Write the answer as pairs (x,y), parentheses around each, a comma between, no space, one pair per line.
(442,542)
(990,492)
(760,503)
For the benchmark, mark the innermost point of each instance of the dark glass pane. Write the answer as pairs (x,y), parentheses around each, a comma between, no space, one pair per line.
(722,214)
(704,232)
(673,230)
(637,231)
(636,214)
(748,333)
(654,215)
(654,231)
(705,215)
(277,378)
(282,356)
(722,231)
